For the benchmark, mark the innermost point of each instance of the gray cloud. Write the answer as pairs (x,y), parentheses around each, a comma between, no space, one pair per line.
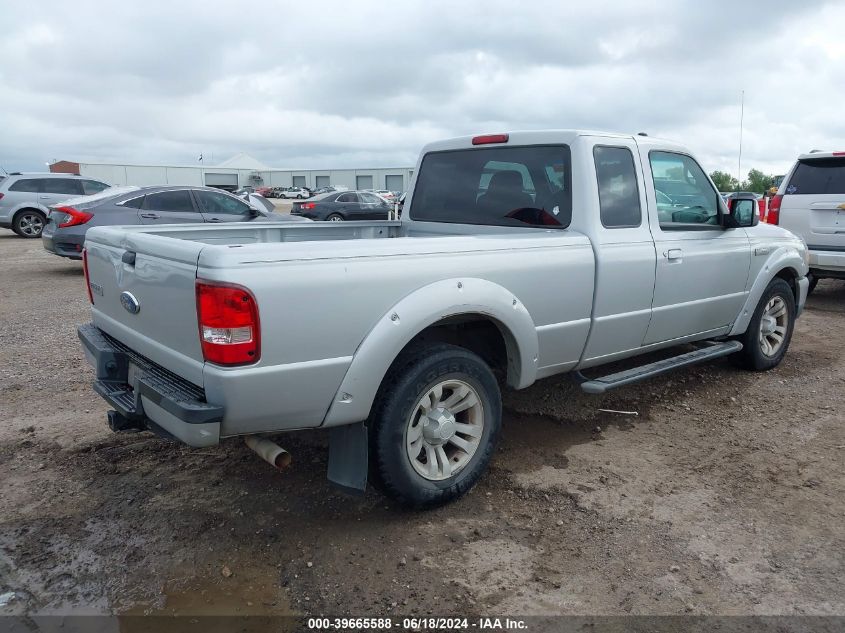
(323,84)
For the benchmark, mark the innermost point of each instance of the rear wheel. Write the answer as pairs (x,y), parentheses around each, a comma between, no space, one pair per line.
(335,217)
(768,335)
(29,223)
(434,425)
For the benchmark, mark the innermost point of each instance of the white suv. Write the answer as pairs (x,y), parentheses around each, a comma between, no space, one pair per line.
(810,202)
(25,198)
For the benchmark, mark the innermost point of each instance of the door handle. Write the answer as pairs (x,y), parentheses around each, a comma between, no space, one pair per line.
(674,254)
(150,216)
(44,197)
(214,220)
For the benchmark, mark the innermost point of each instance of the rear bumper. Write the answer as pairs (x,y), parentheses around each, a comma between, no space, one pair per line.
(827,260)
(147,394)
(62,245)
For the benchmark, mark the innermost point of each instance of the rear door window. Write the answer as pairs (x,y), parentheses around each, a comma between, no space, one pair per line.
(818,176)
(134,203)
(169,201)
(619,195)
(63,186)
(347,197)
(496,186)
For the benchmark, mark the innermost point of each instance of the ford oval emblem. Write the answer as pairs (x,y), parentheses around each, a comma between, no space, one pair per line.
(128,301)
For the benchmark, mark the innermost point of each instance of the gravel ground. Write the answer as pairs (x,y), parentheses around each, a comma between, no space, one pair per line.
(723,495)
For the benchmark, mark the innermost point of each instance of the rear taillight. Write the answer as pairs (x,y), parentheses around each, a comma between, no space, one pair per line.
(486,139)
(230,333)
(87,277)
(773,216)
(75,216)
(309,205)
(1,195)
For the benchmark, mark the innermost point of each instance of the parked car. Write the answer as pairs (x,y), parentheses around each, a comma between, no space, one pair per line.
(343,205)
(70,220)
(810,202)
(264,191)
(268,211)
(296,192)
(25,198)
(387,195)
(396,336)
(242,190)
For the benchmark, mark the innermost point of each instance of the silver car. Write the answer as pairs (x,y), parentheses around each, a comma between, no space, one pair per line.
(25,198)
(69,220)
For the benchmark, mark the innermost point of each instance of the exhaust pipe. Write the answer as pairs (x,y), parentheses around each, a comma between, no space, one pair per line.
(269,451)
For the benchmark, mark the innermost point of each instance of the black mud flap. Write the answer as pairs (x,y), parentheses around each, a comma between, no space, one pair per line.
(349,457)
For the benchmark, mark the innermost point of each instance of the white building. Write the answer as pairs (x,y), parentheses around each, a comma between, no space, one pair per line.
(239,171)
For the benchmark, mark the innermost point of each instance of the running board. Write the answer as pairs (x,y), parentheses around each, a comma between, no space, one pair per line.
(611,381)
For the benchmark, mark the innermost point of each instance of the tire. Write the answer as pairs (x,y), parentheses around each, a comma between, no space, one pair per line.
(776,309)
(814,281)
(335,217)
(400,464)
(299,197)
(29,223)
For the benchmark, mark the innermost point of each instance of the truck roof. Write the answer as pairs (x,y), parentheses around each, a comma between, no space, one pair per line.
(818,155)
(537,137)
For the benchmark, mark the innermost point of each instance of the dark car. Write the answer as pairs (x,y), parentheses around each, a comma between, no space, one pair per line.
(338,206)
(68,221)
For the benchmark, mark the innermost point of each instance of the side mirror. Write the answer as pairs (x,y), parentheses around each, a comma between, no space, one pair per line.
(742,212)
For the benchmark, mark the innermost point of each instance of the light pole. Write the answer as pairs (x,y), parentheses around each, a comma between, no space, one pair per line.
(741,117)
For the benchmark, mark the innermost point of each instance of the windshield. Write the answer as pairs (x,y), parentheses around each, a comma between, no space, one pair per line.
(499,186)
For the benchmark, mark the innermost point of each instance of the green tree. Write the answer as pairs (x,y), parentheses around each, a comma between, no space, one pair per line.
(758,182)
(724,181)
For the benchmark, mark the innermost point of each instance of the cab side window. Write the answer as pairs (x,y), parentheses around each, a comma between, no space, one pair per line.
(685,197)
(619,195)
(169,201)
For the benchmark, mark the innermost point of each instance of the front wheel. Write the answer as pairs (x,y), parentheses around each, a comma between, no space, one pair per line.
(29,223)
(768,335)
(434,425)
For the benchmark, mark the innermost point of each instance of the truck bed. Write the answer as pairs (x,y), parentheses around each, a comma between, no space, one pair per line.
(321,289)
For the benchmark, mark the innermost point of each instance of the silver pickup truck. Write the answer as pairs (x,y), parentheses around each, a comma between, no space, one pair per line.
(518,256)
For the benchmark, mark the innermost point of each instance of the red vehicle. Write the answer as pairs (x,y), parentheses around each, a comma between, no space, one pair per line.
(264,191)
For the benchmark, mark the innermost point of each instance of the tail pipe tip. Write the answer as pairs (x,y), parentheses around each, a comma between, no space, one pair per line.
(269,451)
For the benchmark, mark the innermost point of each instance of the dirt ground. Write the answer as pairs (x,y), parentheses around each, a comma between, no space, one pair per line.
(725,494)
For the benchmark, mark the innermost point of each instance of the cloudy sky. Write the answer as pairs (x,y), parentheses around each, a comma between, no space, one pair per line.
(366,84)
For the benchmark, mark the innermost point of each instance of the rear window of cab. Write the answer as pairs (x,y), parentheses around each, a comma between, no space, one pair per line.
(496,186)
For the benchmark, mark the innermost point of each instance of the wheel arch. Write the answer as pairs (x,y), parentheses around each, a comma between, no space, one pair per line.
(28,207)
(785,263)
(476,314)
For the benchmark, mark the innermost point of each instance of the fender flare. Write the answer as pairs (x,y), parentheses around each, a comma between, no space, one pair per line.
(413,314)
(781,258)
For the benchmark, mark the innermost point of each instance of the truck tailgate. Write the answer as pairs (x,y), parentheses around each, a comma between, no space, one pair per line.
(143,287)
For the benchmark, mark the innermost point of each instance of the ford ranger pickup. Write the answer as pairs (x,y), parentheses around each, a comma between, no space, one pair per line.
(518,256)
